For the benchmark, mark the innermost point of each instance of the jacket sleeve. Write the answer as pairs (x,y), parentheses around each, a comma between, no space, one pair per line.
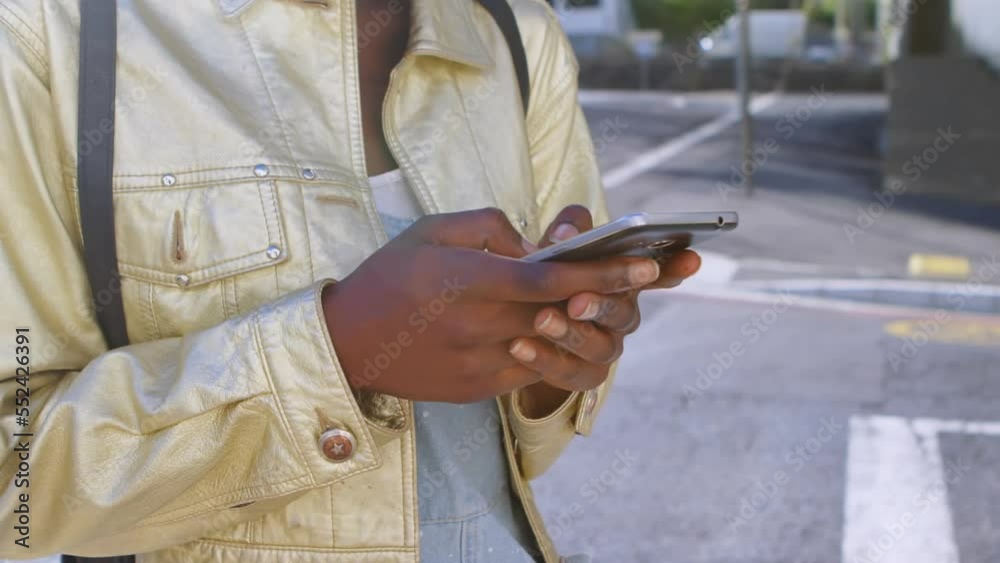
(153,444)
(565,173)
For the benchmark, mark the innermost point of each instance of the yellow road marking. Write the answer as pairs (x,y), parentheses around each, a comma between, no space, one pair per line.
(939,266)
(972,333)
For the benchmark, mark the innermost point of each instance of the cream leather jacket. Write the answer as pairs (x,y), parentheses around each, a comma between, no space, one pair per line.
(240,190)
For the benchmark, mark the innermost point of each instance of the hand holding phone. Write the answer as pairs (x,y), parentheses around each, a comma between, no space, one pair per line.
(639,234)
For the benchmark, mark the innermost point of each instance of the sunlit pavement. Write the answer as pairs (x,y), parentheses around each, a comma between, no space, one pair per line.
(810,426)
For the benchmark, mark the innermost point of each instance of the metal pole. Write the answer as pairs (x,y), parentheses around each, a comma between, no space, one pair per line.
(743,83)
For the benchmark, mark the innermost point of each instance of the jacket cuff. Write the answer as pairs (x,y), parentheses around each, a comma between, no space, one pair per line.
(311,388)
(557,418)
(538,442)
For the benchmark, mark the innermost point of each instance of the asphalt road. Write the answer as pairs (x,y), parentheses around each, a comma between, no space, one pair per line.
(819,425)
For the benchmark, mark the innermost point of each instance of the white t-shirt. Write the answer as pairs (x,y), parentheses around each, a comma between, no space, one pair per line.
(394,196)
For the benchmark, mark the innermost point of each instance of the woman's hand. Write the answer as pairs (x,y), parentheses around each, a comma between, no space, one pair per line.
(577,342)
(431,316)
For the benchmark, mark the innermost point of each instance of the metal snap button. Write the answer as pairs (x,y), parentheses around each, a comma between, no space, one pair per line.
(168,180)
(261,170)
(337,445)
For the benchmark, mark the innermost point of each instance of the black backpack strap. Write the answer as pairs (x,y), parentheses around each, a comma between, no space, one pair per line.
(504,16)
(96,112)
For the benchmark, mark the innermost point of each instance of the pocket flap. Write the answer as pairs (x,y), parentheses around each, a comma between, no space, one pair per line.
(192,236)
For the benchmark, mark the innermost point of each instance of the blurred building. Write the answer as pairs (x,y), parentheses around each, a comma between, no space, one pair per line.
(943,72)
(595,17)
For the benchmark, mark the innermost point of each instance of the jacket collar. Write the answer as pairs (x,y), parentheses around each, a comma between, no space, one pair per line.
(440,28)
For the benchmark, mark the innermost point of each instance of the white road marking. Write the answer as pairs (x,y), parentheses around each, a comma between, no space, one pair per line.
(874,285)
(811,268)
(595,97)
(716,278)
(894,509)
(644,162)
(716,270)
(896,506)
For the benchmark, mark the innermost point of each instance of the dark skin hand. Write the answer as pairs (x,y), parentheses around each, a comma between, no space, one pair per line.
(454,309)
(577,341)
(448,312)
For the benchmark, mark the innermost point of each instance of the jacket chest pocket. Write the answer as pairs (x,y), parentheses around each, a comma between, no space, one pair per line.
(191,257)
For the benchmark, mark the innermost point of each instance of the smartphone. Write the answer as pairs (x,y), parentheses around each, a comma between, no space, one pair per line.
(639,234)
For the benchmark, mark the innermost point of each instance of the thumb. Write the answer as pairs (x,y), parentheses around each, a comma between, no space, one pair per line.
(483,229)
(571,221)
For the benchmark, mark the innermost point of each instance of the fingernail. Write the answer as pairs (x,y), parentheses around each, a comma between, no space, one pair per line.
(522,351)
(642,273)
(553,326)
(695,267)
(590,313)
(563,232)
(528,246)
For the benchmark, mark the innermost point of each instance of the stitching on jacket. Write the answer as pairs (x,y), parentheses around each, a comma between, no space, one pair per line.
(237,494)
(548,192)
(515,409)
(248,166)
(21,36)
(222,301)
(225,299)
(338,372)
(236,296)
(270,547)
(349,33)
(559,93)
(403,472)
(333,528)
(344,388)
(216,265)
(475,140)
(411,445)
(259,344)
(267,90)
(157,334)
(261,186)
(308,237)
